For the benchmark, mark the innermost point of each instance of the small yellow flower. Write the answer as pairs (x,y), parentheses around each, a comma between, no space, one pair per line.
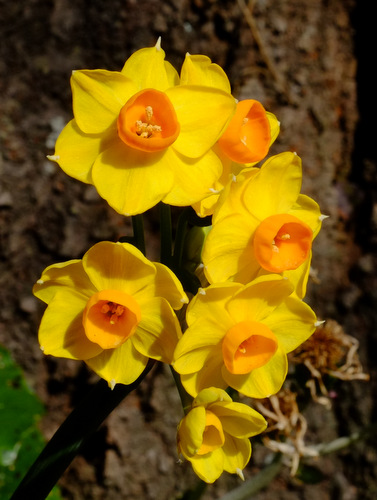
(214,435)
(239,336)
(113,309)
(262,224)
(140,137)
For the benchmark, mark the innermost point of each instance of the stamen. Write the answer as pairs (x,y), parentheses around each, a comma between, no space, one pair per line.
(149,113)
(119,310)
(147,129)
(285,236)
(113,311)
(113,319)
(105,308)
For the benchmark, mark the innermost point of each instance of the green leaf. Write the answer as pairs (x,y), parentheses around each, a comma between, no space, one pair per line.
(20,439)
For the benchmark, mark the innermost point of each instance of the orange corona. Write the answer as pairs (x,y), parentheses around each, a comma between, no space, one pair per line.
(248,345)
(282,242)
(148,121)
(247,137)
(110,318)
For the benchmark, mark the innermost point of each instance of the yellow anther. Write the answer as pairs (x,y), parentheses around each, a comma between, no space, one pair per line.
(149,113)
(285,236)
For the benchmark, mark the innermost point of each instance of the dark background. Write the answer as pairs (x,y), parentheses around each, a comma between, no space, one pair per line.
(310,62)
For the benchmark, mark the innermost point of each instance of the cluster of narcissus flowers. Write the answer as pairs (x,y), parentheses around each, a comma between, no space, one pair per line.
(146,135)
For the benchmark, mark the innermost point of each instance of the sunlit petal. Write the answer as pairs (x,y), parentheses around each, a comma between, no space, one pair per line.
(119,366)
(133,181)
(202,112)
(61,332)
(99,93)
(261,382)
(118,266)
(158,332)
(68,274)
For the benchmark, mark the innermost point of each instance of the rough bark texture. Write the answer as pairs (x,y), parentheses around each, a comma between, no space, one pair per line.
(307,62)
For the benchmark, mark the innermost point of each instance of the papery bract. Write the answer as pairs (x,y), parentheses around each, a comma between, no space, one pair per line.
(239,336)
(140,137)
(214,435)
(113,309)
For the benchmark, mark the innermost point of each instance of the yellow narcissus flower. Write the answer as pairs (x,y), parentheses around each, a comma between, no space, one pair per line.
(262,224)
(113,309)
(214,435)
(239,336)
(248,136)
(140,137)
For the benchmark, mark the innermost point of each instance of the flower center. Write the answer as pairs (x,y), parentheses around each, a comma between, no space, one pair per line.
(247,137)
(282,242)
(248,345)
(110,318)
(213,434)
(148,121)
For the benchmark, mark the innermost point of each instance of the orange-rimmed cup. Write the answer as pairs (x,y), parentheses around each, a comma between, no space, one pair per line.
(148,121)
(110,318)
(248,345)
(282,242)
(247,137)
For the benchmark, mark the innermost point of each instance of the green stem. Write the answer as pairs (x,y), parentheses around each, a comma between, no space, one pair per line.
(186,399)
(79,426)
(138,228)
(180,237)
(253,485)
(166,235)
(346,441)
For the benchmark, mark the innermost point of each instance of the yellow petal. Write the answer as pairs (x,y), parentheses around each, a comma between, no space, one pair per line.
(257,300)
(148,69)
(292,322)
(274,126)
(119,366)
(209,467)
(193,178)
(209,304)
(239,420)
(68,274)
(261,382)
(118,266)
(237,453)
(205,335)
(167,285)
(227,252)
(210,375)
(158,332)
(98,96)
(299,277)
(231,200)
(276,188)
(190,432)
(61,332)
(210,397)
(202,113)
(133,181)
(308,210)
(199,70)
(76,152)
